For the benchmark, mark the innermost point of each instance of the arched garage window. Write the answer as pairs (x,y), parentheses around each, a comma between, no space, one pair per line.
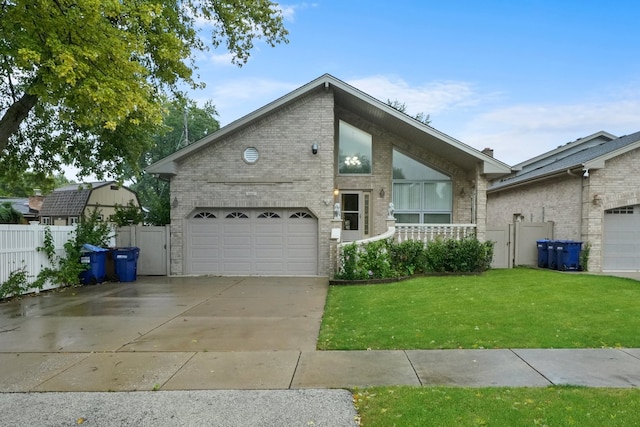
(421,195)
(204,215)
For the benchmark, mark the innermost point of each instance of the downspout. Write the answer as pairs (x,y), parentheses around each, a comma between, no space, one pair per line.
(581,197)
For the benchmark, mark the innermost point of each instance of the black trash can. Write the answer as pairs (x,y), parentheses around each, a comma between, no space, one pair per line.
(543,253)
(126,263)
(569,255)
(95,259)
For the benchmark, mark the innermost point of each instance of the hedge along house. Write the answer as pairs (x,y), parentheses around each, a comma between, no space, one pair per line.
(588,188)
(259,196)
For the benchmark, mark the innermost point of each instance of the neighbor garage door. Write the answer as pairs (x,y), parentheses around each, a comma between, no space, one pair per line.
(621,251)
(252,242)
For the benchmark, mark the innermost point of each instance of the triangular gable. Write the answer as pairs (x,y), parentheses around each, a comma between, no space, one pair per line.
(362,104)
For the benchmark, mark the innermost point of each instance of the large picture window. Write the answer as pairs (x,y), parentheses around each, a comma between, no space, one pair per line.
(421,195)
(354,152)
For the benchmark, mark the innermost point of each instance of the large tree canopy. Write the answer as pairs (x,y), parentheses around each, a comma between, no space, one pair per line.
(81,81)
(183,123)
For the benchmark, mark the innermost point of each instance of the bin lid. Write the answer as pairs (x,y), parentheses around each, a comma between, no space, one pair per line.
(92,248)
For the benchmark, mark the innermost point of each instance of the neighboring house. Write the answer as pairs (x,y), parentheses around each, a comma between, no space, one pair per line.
(259,196)
(28,207)
(588,188)
(66,205)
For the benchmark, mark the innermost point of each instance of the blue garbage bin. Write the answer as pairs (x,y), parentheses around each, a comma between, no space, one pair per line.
(552,258)
(94,258)
(569,255)
(126,263)
(543,253)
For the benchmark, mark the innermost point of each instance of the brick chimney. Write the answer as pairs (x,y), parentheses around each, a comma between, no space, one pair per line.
(488,152)
(35,201)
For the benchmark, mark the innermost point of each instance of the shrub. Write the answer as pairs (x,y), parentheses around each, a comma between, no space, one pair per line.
(407,257)
(66,270)
(468,255)
(16,284)
(386,259)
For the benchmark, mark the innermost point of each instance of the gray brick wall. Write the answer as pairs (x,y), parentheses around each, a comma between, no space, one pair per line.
(574,203)
(288,175)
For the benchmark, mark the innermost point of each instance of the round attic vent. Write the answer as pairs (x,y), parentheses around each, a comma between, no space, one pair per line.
(250,155)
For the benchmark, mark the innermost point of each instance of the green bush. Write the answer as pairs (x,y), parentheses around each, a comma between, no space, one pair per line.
(468,255)
(66,270)
(407,257)
(16,284)
(386,259)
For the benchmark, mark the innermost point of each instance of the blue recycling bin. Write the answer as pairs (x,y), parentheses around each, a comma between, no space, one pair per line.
(543,253)
(126,263)
(552,257)
(95,259)
(568,252)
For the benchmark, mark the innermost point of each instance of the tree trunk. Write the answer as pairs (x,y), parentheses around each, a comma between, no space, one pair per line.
(10,122)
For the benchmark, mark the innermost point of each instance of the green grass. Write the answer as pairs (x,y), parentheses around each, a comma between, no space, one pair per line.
(551,406)
(515,308)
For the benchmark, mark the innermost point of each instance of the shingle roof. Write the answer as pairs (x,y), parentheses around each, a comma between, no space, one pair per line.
(69,200)
(19,204)
(571,161)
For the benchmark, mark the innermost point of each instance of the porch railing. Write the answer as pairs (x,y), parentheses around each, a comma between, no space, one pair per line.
(429,232)
(421,232)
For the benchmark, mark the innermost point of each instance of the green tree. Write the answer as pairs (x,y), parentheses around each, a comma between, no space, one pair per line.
(24,184)
(81,81)
(8,215)
(402,107)
(184,122)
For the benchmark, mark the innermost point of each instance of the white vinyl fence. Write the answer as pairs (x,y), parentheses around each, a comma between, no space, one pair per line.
(19,248)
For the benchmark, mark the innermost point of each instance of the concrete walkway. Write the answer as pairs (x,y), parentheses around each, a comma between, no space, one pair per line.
(223,333)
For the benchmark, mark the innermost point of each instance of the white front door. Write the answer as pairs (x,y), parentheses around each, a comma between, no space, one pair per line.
(355,215)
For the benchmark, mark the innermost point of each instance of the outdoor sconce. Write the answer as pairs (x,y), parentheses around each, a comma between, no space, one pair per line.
(381,193)
(175,202)
(314,148)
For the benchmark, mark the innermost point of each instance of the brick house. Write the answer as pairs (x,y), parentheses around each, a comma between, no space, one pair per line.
(267,194)
(588,188)
(66,205)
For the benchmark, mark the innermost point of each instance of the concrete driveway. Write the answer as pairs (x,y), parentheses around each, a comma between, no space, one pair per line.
(136,336)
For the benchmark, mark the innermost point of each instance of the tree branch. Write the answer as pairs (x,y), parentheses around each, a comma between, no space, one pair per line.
(15,114)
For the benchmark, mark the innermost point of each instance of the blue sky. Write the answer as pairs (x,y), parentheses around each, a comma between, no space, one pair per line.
(520,76)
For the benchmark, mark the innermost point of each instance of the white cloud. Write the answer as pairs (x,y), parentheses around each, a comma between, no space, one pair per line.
(522,131)
(289,11)
(236,98)
(429,98)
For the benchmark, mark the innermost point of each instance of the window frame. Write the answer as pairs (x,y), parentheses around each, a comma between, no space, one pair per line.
(420,207)
(341,159)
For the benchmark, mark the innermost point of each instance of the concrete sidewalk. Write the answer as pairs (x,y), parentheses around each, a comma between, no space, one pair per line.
(198,341)
(283,370)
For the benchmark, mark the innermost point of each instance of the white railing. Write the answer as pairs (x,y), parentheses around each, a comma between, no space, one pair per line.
(387,235)
(429,232)
(19,248)
(420,232)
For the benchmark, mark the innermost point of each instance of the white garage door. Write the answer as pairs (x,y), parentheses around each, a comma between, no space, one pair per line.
(252,242)
(621,251)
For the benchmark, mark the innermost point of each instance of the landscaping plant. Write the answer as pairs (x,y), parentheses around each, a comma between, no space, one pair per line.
(384,259)
(66,269)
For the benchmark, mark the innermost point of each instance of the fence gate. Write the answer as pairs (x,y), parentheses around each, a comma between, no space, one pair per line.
(515,244)
(501,238)
(154,247)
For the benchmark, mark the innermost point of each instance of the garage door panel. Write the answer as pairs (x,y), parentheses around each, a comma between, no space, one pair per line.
(621,239)
(253,241)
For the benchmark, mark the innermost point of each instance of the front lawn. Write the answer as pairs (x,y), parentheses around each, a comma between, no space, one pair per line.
(451,406)
(515,308)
